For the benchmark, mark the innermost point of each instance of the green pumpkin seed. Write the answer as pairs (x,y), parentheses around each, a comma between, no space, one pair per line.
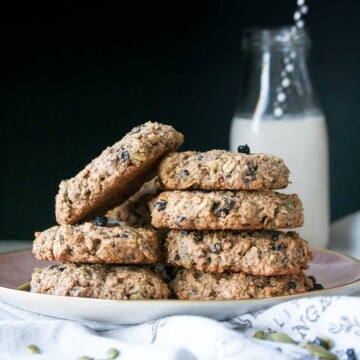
(214,168)
(24,286)
(259,335)
(319,351)
(85,358)
(289,206)
(33,349)
(279,337)
(112,353)
(139,157)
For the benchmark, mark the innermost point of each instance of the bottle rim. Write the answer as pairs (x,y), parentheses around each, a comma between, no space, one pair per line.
(278,37)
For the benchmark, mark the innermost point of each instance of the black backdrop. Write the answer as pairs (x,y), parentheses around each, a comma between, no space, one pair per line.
(74,79)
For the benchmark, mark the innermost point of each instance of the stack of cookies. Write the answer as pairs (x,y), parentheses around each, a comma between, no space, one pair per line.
(101,259)
(224,215)
(219,214)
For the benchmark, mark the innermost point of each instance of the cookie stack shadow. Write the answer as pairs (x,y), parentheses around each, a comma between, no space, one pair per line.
(224,219)
(194,226)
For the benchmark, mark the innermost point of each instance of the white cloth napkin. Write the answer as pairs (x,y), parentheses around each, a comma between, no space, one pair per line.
(186,337)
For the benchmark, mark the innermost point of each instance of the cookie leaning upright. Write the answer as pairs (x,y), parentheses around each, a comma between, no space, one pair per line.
(116,173)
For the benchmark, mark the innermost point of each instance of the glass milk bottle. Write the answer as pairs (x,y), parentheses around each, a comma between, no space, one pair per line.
(278,113)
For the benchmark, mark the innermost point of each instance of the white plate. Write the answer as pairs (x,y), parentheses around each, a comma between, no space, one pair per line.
(339,274)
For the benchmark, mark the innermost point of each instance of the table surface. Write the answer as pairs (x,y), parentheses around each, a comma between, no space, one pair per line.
(14,245)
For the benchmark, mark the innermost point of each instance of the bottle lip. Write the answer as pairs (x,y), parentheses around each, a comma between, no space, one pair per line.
(278,37)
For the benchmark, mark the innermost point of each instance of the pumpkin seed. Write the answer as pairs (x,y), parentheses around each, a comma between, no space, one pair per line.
(319,351)
(85,358)
(112,353)
(289,206)
(24,286)
(259,335)
(139,157)
(319,347)
(33,349)
(279,337)
(214,168)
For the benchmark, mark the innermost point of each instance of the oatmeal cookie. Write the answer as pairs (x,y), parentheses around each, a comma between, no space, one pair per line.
(117,173)
(99,281)
(231,210)
(196,285)
(223,170)
(256,252)
(89,243)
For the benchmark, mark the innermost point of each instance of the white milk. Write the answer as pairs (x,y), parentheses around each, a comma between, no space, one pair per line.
(302,143)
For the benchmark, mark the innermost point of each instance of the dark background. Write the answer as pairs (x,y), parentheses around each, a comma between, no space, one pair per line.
(74,79)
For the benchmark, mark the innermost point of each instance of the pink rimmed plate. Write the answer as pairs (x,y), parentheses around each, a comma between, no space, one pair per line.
(339,274)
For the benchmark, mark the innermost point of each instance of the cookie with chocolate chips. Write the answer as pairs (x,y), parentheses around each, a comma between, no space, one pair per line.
(226,210)
(117,173)
(90,243)
(223,170)
(263,252)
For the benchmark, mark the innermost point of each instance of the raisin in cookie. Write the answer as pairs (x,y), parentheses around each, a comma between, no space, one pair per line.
(223,170)
(89,243)
(196,285)
(99,281)
(220,210)
(257,252)
(117,173)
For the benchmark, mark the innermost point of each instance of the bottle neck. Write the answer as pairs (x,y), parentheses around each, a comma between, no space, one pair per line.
(277,82)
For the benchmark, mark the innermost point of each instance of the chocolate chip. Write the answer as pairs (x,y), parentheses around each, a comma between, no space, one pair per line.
(160,205)
(251,172)
(222,208)
(61,268)
(215,248)
(318,287)
(124,235)
(124,155)
(244,149)
(228,203)
(100,221)
(292,285)
(177,257)
(275,237)
(184,173)
(198,236)
(278,247)
(199,157)
(218,210)
(179,220)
